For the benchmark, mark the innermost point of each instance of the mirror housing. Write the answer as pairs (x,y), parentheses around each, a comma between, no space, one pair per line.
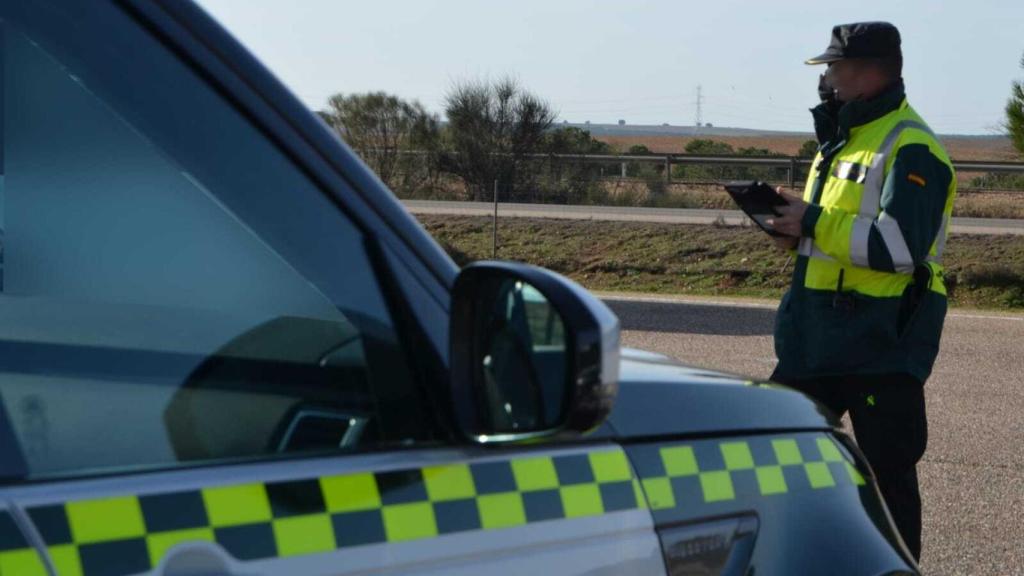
(487,312)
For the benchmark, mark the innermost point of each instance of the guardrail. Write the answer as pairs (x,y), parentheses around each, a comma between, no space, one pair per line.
(790,163)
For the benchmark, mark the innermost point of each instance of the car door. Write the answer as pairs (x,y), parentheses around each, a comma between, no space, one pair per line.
(210,364)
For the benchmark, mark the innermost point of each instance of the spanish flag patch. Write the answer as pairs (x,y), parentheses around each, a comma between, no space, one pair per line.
(916,179)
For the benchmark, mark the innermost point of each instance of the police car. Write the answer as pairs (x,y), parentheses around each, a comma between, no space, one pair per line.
(225,348)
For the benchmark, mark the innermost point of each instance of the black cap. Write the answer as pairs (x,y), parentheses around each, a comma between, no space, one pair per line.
(861,40)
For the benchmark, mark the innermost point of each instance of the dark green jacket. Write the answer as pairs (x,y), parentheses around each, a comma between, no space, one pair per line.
(836,330)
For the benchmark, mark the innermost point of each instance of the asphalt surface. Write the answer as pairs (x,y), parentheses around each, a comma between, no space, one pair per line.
(972,475)
(666,215)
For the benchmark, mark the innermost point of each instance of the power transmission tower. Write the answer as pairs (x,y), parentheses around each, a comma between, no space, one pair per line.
(700,101)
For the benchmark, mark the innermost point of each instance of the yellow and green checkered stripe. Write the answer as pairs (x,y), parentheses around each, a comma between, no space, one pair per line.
(698,475)
(131,533)
(17,557)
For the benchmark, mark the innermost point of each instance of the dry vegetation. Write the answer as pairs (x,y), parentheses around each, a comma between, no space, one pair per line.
(981,271)
(968,205)
(959,147)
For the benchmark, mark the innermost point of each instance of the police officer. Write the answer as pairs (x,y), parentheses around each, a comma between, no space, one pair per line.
(859,328)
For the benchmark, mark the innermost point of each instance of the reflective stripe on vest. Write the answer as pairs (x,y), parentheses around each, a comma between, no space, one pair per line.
(870,205)
(871,197)
(810,249)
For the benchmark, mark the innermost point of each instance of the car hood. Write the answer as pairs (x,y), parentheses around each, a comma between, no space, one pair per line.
(659,396)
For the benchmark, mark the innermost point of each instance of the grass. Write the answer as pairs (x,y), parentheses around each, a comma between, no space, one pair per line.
(990,205)
(982,271)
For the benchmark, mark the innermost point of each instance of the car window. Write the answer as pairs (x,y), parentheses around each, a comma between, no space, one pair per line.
(174,290)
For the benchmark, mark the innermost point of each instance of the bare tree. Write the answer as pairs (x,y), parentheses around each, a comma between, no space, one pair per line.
(492,127)
(397,139)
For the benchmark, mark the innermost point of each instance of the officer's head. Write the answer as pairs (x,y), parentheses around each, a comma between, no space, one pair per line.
(863,60)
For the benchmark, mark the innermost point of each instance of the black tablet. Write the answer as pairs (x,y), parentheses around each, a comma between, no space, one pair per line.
(758,201)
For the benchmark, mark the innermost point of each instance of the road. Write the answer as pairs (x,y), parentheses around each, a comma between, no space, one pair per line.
(667,215)
(972,475)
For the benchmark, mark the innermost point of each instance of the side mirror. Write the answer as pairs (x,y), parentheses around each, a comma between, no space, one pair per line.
(533,354)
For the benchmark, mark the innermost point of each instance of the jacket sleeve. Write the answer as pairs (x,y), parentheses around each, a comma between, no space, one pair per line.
(913,201)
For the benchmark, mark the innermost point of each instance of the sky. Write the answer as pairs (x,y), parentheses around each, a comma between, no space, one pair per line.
(635,60)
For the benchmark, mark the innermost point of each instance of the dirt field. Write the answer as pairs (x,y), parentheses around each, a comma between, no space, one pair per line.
(959,147)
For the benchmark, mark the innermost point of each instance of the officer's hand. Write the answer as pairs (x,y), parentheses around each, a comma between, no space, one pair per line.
(785,242)
(791,215)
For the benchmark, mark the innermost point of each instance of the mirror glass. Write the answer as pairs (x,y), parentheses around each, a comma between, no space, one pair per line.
(522,353)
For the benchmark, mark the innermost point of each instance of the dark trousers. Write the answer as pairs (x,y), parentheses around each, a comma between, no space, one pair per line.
(889,422)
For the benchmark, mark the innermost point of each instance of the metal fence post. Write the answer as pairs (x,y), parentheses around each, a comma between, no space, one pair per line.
(792,172)
(494,235)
